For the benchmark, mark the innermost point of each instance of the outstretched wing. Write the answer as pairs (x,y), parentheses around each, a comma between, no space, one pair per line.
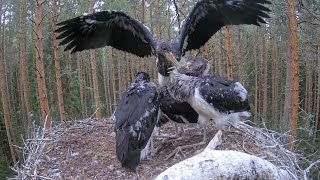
(209,16)
(224,95)
(111,28)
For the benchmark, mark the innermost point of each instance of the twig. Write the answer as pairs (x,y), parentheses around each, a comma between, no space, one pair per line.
(306,171)
(216,141)
(177,12)
(93,113)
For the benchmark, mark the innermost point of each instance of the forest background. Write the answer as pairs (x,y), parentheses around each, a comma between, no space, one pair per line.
(278,63)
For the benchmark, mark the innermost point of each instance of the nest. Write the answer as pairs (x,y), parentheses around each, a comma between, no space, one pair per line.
(86,150)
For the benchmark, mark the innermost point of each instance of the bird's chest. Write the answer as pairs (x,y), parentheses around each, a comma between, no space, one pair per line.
(163,80)
(206,112)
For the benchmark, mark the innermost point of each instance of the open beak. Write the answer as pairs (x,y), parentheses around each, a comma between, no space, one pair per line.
(172,59)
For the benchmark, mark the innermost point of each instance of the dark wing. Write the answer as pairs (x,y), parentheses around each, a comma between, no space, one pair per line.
(209,16)
(224,95)
(179,112)
(135,116)
(111,28)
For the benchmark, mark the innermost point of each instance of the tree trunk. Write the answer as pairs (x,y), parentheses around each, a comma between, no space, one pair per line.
(295,72)
(256,89)
(94,75)
(79,67)
(159,20)
(240,56)
(207,51)
(114,90)
(23,60)
(105,80)
(220,56)
(273,77)
(151,11)
(57,64)
(309,75)
(276,84)
(153,68)
(109,103)
(317,120)
(142,60)
(182,13)
(168,20)
(4,98)
(43,98)
(22,115)
(264,75)
(229,53)
(123,73)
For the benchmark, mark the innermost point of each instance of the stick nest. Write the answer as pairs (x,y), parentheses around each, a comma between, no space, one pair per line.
(86,150)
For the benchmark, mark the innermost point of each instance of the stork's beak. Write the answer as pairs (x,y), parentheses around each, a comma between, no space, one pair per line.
(172,59)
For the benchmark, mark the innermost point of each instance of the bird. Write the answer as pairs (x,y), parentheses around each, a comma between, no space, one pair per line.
(178,111)
(123,32)
(135,120)
(214,98)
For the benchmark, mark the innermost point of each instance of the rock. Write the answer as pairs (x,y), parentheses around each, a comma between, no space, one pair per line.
(224,164)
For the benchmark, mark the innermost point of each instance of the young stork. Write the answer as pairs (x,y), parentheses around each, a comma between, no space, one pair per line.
(214,98)
(136,116)
(178,111)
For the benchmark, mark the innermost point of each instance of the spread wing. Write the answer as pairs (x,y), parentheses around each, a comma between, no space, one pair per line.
(209,16)
(106,28)
(224,95)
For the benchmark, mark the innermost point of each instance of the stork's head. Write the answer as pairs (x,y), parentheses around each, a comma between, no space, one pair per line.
(142,76)
(199,66)
(166,59)
(195,67)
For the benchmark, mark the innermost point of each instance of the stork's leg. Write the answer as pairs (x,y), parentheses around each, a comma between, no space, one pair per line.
(183,132)
(180,149)
(176,136)
(153,150)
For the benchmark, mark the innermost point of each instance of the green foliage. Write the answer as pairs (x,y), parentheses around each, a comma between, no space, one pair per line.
(5,171)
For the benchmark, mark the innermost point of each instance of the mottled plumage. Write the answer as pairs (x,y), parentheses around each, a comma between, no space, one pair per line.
(135,116)
(214,98)
(195,67)
(174,110)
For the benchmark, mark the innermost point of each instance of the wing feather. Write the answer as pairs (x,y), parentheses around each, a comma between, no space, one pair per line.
(209,16)
(224,95)
(175,110)
(138,105)
(106,28)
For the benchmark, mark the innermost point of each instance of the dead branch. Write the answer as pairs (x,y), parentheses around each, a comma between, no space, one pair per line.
(306,171)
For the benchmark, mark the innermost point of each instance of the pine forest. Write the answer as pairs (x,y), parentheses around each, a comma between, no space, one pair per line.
(42,85)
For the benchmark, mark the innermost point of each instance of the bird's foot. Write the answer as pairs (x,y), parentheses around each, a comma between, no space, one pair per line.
(155,150)
(180,149)
(174,137)
(175,153)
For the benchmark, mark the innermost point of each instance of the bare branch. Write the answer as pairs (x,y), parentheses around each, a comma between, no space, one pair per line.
(306,171)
